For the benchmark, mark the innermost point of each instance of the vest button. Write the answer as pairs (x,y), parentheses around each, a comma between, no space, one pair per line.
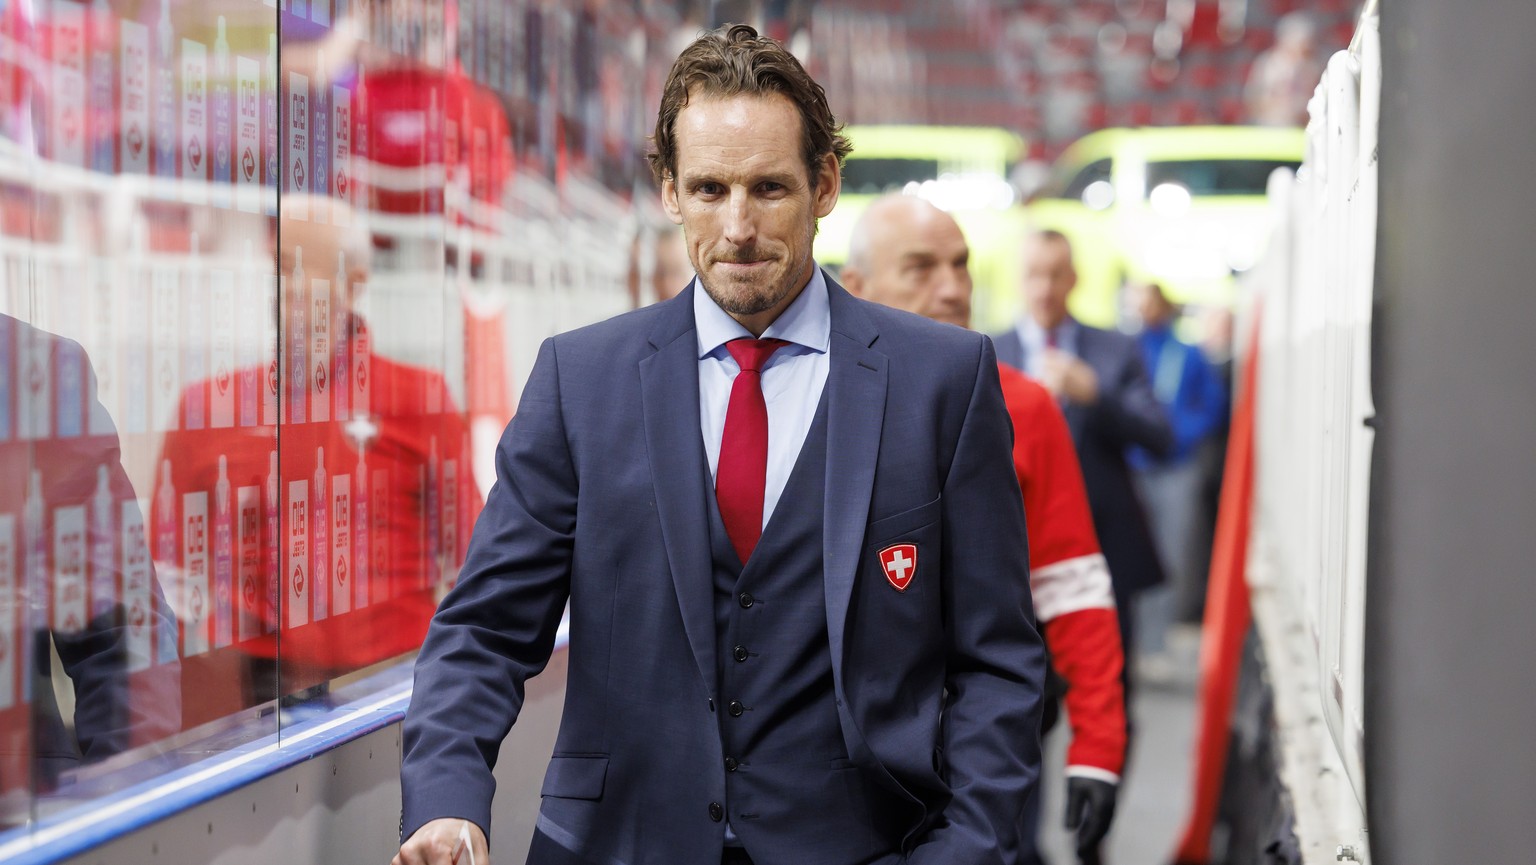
(731,764)
(716,813)
(739,653)
(735,708)
(746,600)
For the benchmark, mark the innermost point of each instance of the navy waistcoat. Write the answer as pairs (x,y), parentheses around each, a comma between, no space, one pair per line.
(792,795)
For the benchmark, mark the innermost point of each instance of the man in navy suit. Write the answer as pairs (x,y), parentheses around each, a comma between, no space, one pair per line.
(788,532)
(1099,378)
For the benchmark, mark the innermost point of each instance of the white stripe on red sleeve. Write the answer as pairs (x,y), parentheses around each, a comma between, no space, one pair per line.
(1070,585)
(1093,772)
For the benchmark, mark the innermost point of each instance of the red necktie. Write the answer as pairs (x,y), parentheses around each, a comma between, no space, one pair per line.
(741,476)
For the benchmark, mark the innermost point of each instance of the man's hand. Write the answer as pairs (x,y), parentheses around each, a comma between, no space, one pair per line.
(1067,376)
(439,843)
(1090,810)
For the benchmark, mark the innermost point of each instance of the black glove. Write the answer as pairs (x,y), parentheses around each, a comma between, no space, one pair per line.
(1090,810)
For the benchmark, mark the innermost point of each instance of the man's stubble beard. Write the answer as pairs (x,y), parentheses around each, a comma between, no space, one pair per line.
(750,301)
(754,298)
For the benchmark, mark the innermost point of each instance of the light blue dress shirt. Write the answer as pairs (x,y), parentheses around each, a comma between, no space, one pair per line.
(793,378)
(1032,336)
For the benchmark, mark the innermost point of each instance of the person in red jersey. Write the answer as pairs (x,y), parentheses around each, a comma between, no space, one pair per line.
(346,535)
(908,254)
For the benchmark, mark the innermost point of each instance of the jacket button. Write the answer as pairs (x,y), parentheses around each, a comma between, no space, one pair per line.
(739,653)
(736,708)
(711,704)
(716,813)
(731,764)
(746,600)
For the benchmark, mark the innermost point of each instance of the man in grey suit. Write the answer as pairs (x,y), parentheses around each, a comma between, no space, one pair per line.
(1099,378)
(1102,385)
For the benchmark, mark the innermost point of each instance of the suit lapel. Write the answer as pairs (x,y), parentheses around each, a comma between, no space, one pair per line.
(1010,349)
(856,383)
(1085,349)
(669,389)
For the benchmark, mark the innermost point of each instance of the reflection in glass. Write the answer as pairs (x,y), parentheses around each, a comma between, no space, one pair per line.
(367,498)
(78,593)
(272,274)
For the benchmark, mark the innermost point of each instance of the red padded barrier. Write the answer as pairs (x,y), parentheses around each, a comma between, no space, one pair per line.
(1227,617)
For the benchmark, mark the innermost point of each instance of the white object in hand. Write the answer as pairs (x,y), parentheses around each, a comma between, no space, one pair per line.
(463,845)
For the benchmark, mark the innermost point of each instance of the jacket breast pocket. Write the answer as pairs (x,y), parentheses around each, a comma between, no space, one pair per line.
(576,777)
(893,528)
(902,552)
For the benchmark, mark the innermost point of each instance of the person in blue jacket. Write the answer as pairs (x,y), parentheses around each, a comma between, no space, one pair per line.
(1195,401)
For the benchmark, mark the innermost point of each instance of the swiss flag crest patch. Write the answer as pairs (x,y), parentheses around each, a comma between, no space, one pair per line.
(899,561)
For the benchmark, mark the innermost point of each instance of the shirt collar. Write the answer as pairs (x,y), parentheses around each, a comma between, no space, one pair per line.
(1033,335)
(806,322)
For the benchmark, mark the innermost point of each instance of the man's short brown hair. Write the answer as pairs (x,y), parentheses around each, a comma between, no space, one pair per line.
(736,62)
(1051,235)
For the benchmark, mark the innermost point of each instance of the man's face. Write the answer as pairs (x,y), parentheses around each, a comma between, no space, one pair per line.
(1048,279)
(1151,308)
(917,261)
(319,248)
(745,200)
(673,270)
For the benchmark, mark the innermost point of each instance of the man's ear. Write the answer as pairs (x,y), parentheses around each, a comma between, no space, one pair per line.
(852,280)
(669,201)
(829,182)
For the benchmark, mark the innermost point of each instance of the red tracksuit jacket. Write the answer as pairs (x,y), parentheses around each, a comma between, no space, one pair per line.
(1068,578)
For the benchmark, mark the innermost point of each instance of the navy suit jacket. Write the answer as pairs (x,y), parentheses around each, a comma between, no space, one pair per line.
(601,498)
(1127,413)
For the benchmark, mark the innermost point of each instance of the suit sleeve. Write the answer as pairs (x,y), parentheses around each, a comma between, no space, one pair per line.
(995,658)
(497,627)
(114,710)
(1128,412)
